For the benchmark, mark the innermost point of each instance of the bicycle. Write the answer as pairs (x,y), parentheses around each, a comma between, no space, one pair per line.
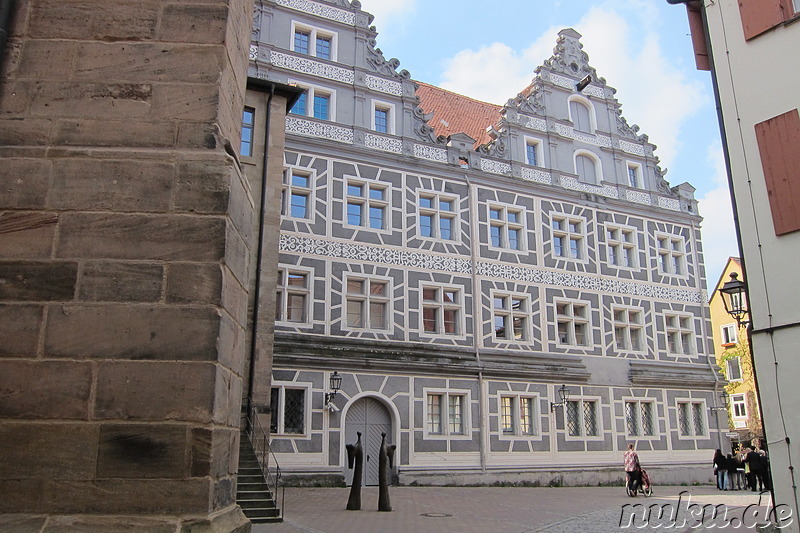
(645,486)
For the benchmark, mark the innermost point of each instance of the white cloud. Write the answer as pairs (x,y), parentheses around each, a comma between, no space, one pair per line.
(654,92)
(719,233)
(390,15)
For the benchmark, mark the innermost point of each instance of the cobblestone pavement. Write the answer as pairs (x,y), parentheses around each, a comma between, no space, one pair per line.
(520,510)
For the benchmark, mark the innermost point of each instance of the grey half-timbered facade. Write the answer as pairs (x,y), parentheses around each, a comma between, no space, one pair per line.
(456,282)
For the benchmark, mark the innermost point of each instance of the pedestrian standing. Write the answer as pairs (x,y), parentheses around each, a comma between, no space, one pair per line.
(719,468)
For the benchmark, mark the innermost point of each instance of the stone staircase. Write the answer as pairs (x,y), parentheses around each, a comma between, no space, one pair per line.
(252,492)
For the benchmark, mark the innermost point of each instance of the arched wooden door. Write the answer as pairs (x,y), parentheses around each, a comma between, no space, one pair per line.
(371,418)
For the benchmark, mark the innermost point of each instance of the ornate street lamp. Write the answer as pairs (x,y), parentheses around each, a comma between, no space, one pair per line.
(336,384)
(724,400)
(563,394)
(734,298)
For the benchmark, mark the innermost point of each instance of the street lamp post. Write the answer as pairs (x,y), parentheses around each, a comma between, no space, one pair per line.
(563,395)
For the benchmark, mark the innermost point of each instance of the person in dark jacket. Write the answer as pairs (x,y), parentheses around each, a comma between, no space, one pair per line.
(719,468)
(731,466)
(756,481)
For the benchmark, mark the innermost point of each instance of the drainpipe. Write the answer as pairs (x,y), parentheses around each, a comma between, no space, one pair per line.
(476,310)
(259,256)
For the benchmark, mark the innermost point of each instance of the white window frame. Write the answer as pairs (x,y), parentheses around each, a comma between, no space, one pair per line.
(615,238)
(516,402)
(537,146)
(441,306)
(739,402)
(729,334)
(569,235)
(693,411)
(366,299)
(282,386)
(598,167)
(312,40)
(637,167)
(248,127)
(444,418)
(728,369)
(505,226)
(510,314)
(437,215)
(288,189)
(367,202)
(683,331)
(283,289)
(312,90)
(572,320)
(598,406)
(670,254)
(390,116)
(582,100)
(628,325)
(653,412)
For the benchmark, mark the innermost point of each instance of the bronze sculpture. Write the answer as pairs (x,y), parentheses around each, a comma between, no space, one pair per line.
(386,455)
(355,454)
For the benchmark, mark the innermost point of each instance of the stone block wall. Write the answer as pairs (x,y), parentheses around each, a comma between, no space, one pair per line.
(125,248)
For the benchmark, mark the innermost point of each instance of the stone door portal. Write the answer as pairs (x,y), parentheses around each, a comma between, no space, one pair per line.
(371,418)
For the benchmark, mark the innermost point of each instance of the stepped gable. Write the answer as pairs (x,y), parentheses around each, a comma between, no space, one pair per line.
(456,113)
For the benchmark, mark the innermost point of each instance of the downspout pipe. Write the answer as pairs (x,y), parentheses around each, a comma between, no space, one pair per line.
(259,255)
(291,93)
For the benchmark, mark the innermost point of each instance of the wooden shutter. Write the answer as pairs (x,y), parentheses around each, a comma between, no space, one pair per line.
(779,145)
(759,16)
(698,33)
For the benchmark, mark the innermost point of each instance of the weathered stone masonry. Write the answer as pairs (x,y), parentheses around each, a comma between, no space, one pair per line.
(125,238)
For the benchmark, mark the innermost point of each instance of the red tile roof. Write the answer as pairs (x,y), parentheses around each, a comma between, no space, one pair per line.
(455,113)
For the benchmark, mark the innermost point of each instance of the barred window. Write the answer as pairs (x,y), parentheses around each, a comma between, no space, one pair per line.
(691,419)
(639,418)
(581,417)
(288,410)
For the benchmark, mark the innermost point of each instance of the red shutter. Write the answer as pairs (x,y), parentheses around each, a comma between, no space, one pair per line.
(698,37)
(759,16)
(779,145)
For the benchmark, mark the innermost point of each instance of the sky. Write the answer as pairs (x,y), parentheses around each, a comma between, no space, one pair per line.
(489,50)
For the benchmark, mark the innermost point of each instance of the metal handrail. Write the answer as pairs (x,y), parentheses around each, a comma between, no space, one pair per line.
(259,439)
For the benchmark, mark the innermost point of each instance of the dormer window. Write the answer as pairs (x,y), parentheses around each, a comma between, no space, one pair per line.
(581,115)
(587,167)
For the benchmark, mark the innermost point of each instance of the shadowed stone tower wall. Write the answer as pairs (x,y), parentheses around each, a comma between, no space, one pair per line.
(125,245)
